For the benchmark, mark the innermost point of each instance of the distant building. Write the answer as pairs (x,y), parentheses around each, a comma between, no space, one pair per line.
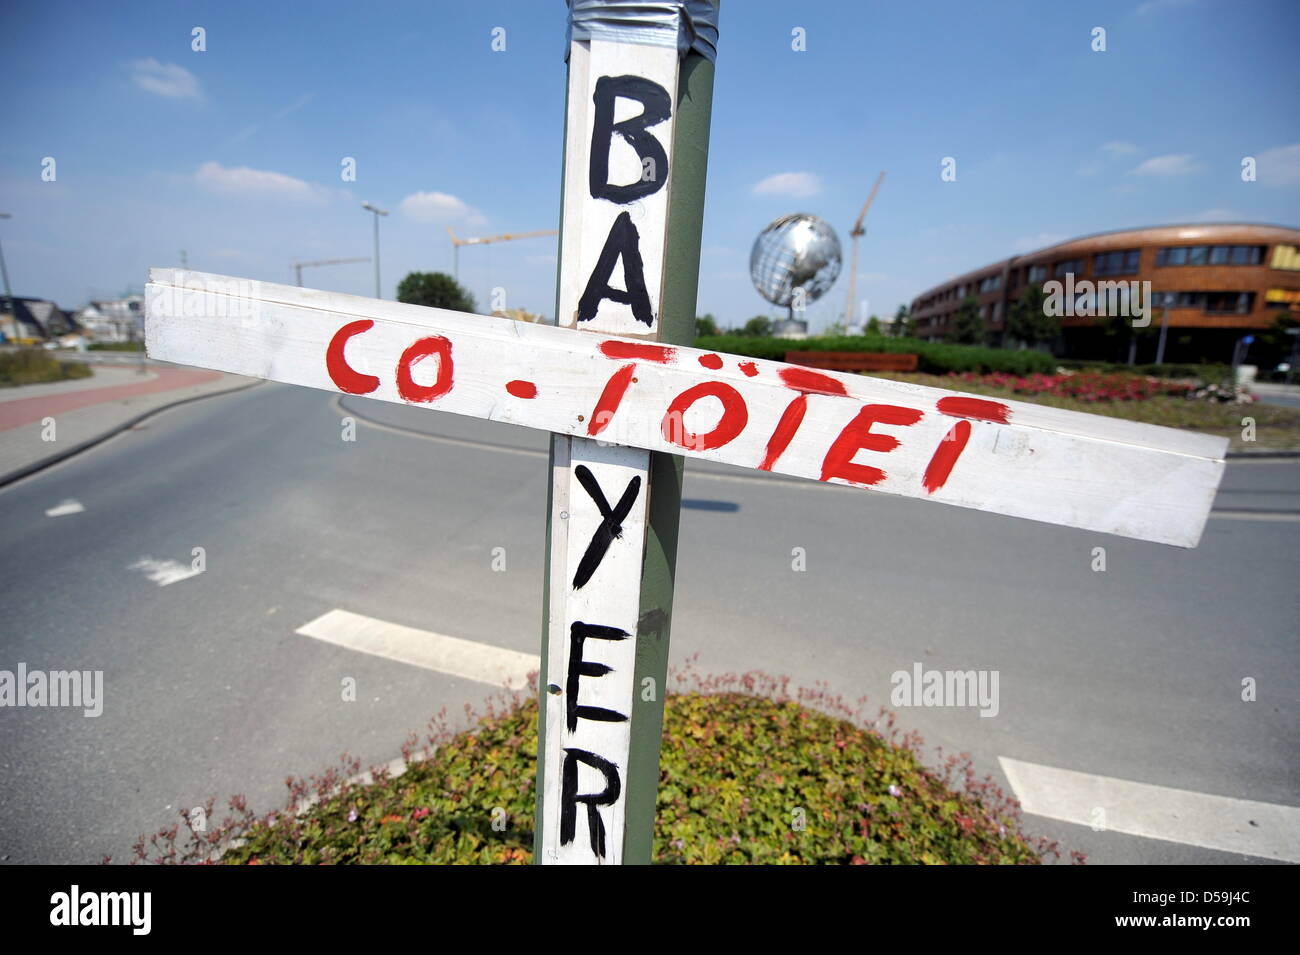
(34,319)
(113,320)
(1220,282)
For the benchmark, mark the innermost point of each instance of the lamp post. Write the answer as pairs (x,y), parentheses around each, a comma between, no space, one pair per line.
(1168,301)
(378,212)
(9,295)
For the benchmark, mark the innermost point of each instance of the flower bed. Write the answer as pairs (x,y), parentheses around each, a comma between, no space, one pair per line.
(749,773)
(1090,386)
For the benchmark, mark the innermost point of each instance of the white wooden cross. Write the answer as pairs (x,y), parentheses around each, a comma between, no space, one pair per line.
(612,395)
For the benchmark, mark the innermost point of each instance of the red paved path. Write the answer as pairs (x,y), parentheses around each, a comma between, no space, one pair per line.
(15,414)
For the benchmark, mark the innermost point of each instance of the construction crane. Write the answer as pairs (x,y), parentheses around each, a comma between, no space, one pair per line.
(299,266)
(857,233)
(456,243)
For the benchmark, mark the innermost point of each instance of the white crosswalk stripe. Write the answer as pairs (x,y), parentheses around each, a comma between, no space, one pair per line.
(1261,829)
(468,659)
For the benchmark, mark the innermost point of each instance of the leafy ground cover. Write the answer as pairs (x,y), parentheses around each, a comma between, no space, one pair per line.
(31,366)
(750,773)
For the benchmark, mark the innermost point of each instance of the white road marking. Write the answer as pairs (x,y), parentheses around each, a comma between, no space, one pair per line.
(164,572)
(468,659)
(67,507)
(1261,829)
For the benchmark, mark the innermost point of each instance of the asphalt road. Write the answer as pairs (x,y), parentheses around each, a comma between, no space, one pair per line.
(1134,672)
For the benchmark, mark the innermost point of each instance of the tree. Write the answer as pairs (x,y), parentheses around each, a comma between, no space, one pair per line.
(434,290)
(873,325)
(705,325)
(967,324)
(902,327)
(1028,320)
(760,326)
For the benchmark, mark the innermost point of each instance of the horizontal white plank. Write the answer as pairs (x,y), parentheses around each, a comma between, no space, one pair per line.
(1086,471)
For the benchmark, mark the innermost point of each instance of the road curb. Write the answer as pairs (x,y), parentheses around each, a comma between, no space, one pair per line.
(53,459)
(1262,454)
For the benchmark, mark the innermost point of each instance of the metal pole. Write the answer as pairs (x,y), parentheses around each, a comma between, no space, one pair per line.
(297,270)
(651,557)
(682,262)
(378,294)
(1164,329)
(377,213)
(9,295)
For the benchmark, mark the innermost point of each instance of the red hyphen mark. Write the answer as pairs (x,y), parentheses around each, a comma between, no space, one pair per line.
(711,361)
(734,417)
(977,408)
(522,389)
(800,379)
(857,435)
(341,373)
(637,350)
(945,456)
(791,418)
(749,368)
(406,385)
(610,399)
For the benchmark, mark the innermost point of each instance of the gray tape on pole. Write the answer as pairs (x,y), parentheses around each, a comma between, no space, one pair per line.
(685,24)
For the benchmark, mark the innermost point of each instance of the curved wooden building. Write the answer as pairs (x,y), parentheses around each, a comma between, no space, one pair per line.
(1220,282)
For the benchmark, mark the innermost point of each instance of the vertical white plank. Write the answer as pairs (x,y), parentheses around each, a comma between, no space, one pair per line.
(610,598)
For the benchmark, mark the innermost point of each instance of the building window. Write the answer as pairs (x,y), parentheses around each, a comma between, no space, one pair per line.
(1037,273)
(1074,266)
(1233,303)
(1115,263)
(990,284)
(1210,255)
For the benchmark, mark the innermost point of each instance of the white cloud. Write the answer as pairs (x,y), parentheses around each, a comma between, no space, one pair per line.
(797,185)
(1280,166)
(1119,148)
(439,207)
(1172,165)
(165,79)
(255,183)
(1029,243)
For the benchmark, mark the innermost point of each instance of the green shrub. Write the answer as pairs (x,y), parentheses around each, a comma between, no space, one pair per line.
(30,366)
(1210,374)
(135,345)
(739,757)
(933,357)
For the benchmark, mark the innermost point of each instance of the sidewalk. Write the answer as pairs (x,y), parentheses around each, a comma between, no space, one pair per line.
(1275,393)
(84,411)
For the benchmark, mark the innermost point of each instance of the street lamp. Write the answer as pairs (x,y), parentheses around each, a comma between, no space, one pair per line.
(1169,299)
(9,295)
(378,212)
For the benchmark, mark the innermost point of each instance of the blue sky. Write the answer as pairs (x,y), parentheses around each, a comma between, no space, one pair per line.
(234,154)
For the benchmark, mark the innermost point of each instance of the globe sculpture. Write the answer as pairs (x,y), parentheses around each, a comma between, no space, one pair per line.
(794,252)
